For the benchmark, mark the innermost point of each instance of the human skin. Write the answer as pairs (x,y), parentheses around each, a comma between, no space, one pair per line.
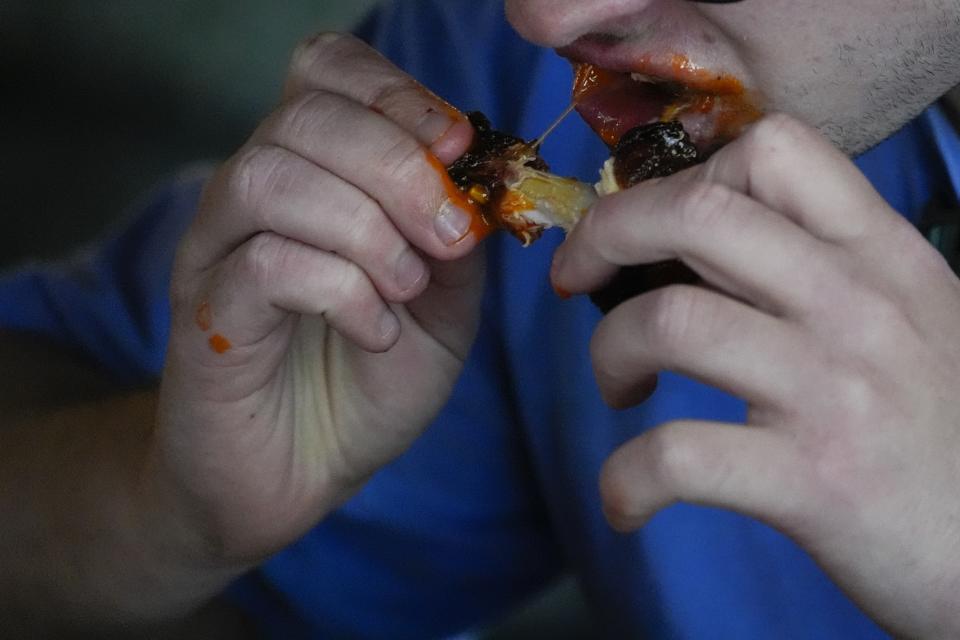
(249,446)
(854,70)
(324,253)
(323,302)
(826,311)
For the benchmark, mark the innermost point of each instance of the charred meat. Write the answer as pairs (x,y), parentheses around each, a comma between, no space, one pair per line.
(510,184)
(654,150)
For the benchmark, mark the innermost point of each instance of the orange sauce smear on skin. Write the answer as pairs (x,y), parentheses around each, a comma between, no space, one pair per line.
(700,91)
(204,316)
(219,344)
(480,227)
(561,293)
(720,92)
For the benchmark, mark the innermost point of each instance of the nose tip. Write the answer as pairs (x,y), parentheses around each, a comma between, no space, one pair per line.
(555,23)
(544,22)
(549,23)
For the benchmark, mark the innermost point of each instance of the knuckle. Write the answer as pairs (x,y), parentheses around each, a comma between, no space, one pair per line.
(918,259)
(403,164)
(260,258)
(671,317)
(768,145)
(363,233)
(592,223)
(703,205)
(318,50)
(349,283)
(850,398)
(776,130)
(671,459)
(835,467)
(403,160)
(394,93)
(855,397)
(257,175)
(602,232)
(308,114)
(881,325)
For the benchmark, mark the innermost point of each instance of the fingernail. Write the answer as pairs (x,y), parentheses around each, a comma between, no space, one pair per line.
(452,223)
(388,325)
(432,127)
(409,270)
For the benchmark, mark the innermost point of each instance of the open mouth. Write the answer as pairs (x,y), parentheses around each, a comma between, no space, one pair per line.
(657,118)
(712,107)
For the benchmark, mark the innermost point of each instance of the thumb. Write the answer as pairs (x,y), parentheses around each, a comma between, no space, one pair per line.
(746,469)
(449,308)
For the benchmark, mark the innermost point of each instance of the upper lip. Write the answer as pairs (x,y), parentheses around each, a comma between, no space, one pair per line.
(696,77)
(656,60)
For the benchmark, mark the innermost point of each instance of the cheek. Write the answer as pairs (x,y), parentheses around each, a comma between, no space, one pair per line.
(874,74)
(837,66)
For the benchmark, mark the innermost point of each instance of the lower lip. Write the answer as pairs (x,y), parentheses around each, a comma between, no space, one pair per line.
(713,107)
(613,103)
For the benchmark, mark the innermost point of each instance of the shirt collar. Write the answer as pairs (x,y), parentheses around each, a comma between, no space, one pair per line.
(947,140)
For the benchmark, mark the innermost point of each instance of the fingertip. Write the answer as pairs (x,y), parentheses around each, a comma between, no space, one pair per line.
(558,273)
(648,387)
(620,523)
(388,331)
(617,501)
(454,141)
(556,264)
(627,397)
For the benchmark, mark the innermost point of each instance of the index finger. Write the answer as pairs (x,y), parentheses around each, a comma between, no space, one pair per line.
(343,64)
(793,169)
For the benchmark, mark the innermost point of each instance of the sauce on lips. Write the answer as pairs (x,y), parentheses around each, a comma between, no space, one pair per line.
(612,102)
(667,117)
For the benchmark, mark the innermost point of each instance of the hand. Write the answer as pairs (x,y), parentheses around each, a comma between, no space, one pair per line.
(839,325)
(323,304)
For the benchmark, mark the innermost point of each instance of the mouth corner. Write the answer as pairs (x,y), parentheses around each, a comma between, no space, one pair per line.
(614,96)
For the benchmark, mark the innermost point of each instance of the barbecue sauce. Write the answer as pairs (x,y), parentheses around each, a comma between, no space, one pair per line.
(654,150)
(480,173)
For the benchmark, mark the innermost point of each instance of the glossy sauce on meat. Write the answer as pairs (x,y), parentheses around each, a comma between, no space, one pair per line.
(654,150)
(481,173)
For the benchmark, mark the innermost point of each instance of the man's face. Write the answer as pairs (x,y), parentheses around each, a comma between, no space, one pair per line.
(856,69)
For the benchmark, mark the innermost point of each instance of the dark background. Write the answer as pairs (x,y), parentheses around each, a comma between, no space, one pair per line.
(104,99)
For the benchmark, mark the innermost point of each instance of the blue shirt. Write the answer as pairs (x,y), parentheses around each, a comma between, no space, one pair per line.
(500,495)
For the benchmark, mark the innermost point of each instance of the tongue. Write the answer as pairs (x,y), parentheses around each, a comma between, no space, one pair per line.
(620,104)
